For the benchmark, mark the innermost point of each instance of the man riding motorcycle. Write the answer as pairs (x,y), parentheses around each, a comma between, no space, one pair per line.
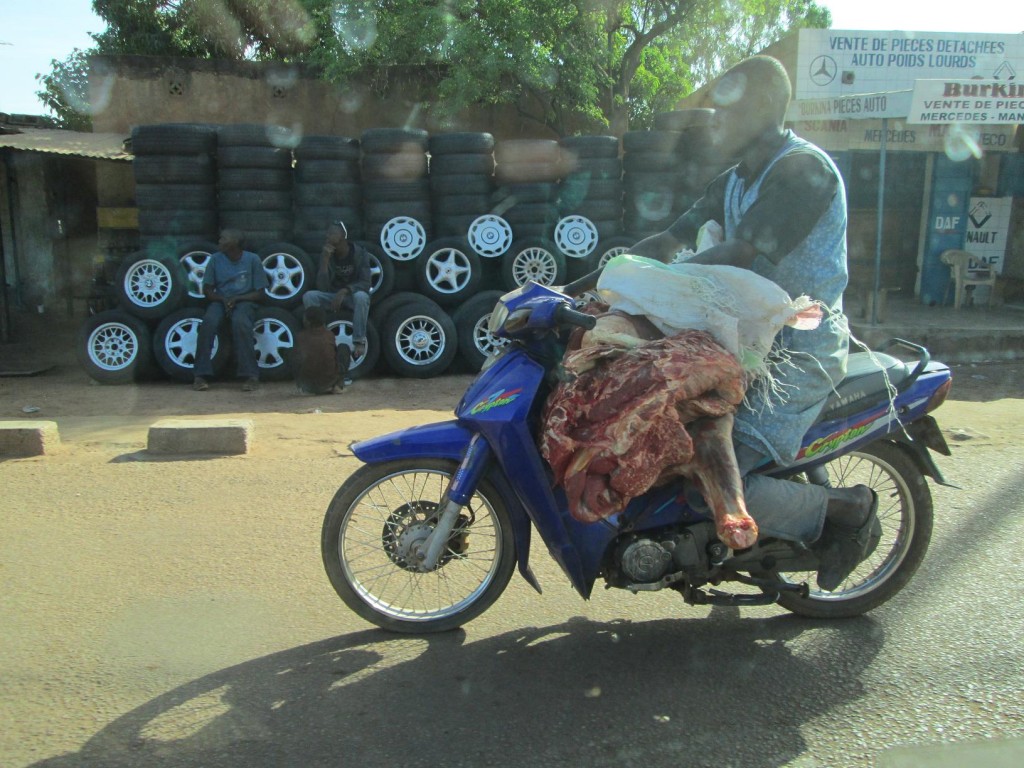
(783,212)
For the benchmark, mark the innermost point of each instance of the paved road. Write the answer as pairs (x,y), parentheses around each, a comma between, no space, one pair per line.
(139,627)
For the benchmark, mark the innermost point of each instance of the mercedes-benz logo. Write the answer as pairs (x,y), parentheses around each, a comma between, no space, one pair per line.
(823,70)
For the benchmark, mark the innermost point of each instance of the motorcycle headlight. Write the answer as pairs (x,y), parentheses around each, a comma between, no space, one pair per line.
(497,319)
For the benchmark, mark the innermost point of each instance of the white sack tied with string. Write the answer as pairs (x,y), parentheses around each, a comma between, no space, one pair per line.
(740,309)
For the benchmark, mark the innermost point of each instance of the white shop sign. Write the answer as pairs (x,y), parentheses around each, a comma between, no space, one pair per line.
(975,102)
(841,62)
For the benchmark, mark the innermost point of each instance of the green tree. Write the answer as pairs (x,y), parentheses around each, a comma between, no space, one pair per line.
(583,64)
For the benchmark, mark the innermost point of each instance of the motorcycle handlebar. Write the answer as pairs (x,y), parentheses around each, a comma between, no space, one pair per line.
(567,316)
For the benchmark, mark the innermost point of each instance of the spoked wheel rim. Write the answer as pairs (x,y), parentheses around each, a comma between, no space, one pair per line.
(484,340)
(608,255)
(535,263)
(194,263)
(896,513)
(147,283)
(181,341)
(271,337)
(403,238)
(381,530)
(490,236)
(420,340)
(285,275)
(112,346)
(448,271)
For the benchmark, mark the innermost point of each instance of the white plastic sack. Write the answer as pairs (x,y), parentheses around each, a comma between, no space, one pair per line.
(742,310)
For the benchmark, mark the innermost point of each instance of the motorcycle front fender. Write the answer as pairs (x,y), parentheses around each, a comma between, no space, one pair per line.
(448,440)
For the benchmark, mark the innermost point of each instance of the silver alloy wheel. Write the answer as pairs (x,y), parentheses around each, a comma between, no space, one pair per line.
(403,238)
(194,263)
(147,283)
(535,263)
(484,340)
(271,337)
(609,254)
(286,276)
(490,236)
(376,272)
(576,236)
(181,340)
(112,346)
(398,508)
(420,340)
(448,270)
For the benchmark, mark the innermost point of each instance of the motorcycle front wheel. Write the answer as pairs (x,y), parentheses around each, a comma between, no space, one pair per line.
(905,511)
(376,520)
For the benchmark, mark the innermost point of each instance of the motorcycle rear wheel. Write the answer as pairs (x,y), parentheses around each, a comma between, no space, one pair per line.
(906,513)
(383,508)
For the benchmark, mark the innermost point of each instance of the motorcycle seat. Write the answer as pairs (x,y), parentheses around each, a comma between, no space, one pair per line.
(866,376)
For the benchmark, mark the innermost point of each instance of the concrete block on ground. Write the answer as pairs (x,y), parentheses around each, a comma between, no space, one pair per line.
(182,436)
(28,438)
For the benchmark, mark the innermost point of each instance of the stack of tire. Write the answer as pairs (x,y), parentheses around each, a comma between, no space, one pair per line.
(653,189)
(589,230)
(396,195)
(527,174)
(698,160)
(328,188)
(176,198)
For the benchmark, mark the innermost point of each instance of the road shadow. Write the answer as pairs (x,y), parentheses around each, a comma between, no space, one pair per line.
(707,692)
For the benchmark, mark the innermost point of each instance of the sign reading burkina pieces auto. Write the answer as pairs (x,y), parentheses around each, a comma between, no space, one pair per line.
(977,102)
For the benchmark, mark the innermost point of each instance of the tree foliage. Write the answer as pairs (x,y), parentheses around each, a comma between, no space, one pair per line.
(588,64)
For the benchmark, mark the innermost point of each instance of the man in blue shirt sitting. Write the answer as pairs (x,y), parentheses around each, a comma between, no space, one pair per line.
(233,284)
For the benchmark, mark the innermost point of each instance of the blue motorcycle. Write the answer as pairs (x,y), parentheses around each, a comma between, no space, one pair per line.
(425,536)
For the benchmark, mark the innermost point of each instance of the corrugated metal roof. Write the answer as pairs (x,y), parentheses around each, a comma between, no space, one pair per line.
(102,146)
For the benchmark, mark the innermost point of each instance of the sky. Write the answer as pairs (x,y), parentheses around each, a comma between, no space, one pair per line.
(35,32)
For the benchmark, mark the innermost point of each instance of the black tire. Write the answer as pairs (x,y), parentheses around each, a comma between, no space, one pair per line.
(649,141)
(448,271)
(327,172)
(173,169)
(256,135)
(255,178)
(173,221)
(607,248)
(418,339)
(527,151)
(595,210)
(290,273)
(683,119)
(257,221)
(376,497)
(173,139)
(114,347)
(461,142)
(527,173)
(649,162)
(254,157)
(462,164)
(461,184)
(394,167)
(382,271)
(536,259)
(393,140)
(341,193)
(581,190)
(905,511)
(381,310)
(359,367)
(597,169)
(193,258)
(150,286)
(396,191)
(516,194)
(462,205)
(327,148)
(603,147)
(254,200)
(274,337)
(175,340)
(476,343)
(176,197)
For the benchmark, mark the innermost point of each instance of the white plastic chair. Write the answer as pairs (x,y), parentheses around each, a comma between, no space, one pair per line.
(963,275)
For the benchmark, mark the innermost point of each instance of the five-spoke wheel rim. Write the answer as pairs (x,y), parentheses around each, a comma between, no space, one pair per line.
(448,270)
(285,274)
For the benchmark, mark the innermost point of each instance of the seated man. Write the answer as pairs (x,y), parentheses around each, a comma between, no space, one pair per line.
(233,284)
(343,281)
(783,211)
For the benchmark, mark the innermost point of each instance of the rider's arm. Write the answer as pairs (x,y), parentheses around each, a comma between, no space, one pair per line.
(683,232)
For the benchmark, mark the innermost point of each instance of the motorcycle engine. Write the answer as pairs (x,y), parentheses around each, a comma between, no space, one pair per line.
(644,560)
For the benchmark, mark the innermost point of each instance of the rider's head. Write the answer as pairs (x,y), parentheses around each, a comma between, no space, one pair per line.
(750,100)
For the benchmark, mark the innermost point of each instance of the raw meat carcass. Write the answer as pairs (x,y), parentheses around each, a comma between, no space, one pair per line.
(634,413)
